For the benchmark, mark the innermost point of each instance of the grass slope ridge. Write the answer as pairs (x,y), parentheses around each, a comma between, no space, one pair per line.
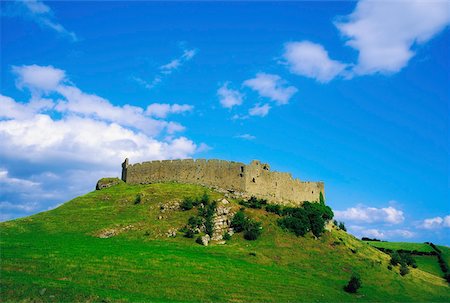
(58,256)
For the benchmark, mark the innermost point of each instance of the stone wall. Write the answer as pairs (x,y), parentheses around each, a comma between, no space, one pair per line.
(254,179)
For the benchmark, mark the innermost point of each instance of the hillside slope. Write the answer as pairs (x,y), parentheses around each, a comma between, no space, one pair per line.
(60,255)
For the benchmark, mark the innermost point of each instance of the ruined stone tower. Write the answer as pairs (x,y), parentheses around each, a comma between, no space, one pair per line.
(254,179)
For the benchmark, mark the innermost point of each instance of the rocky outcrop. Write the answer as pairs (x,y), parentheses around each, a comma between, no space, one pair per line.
(107,182)
(222,220)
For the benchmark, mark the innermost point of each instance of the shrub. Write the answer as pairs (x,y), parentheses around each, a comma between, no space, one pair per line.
(404,269)
(274,208)
(252,229)
(138,199)
(227,236)
(187,204)
(189,233)
(208,215)
(321,198)
(389,267)
(253,202)
(408,259)
(238,221)
(342,226)
(199,240)
(299,226)
(204,199)
(354,284)
(395,258)
(195,222)
(447,277)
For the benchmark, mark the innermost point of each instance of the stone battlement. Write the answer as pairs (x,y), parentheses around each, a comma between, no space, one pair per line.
(254,179)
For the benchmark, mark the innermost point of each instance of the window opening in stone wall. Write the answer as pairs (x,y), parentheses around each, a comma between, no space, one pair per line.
(242,169)
(253,180)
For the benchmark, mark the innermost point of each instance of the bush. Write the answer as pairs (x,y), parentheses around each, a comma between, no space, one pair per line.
(252,230)
(408,259)
(204,199)
(299,226)
(404,269)
(227,236)
(195,222)
(253,202)
(199,240)
(447,277)
(208,215)
(342,226)
(354,284)
(389,267)
(138,199)
(187,204)
(395,258)
(238,221)
(189,233)
(321,198)
(274,208)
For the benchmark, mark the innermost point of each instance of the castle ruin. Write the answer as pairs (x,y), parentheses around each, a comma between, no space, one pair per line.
(254,179)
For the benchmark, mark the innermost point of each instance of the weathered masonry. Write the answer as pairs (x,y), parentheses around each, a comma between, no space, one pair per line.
(254,179)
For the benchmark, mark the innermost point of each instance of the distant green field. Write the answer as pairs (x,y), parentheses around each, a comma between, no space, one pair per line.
(429,264)
(57,256)
(445,251)
(420,247)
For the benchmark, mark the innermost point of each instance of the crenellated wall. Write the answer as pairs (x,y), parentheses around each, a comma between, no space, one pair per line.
(254,179)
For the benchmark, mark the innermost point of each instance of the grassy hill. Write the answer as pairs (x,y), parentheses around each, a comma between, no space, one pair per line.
(60,255)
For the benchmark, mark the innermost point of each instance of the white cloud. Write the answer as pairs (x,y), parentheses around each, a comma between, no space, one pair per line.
(75,134)
(40,78)
(246,137)
(229,97)
(44,16)
(22,207)
(161,110)
(435,223)
(272,87)
(385,32)
(360,231)
(311,60)
(365,214)
(167,69)
(259,110)
(11,109)
(14,182)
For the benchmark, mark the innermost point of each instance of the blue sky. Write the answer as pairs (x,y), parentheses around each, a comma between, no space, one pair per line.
(352,93)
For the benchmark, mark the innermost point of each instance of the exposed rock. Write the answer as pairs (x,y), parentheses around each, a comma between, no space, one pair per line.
(205,240)
(171,205)
(172,232)
(107,182)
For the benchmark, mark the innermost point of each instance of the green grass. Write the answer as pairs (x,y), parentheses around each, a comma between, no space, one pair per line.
(429,264)
(420,247)
(57,256)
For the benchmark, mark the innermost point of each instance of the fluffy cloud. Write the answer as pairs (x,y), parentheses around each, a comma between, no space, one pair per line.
(311,60)
(229,97)
(360,231)
(75,134)
(436,222)
(272,87)
(44,16)
(384,32)
(365,214)
(40,78)
(259,110)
